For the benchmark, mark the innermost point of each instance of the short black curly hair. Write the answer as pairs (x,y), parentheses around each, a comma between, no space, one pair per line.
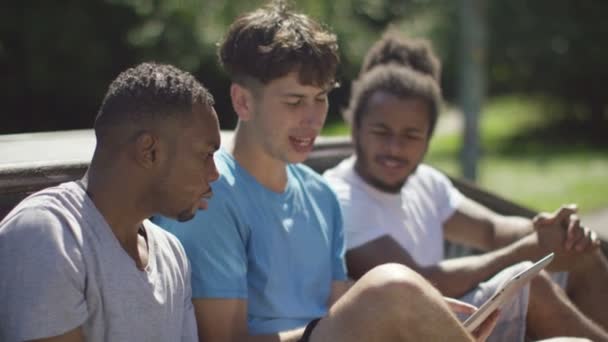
(149,91)
(270,42)
(401,67)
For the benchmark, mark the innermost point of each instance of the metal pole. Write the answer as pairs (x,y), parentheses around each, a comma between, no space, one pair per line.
(472,80)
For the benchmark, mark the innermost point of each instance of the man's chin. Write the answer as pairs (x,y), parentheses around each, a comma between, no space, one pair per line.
(185,216)
(394,187)
(296,158)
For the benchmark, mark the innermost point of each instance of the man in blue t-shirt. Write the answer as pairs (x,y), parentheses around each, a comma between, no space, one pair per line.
(268,255)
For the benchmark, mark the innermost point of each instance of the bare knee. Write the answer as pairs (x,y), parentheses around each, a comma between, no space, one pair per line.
(395,287)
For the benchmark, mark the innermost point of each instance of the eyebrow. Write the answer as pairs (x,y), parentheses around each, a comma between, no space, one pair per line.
(299,95)
(384,126)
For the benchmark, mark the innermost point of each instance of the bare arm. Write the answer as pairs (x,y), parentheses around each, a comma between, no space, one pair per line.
(453,277)
(518,238)
(225,320)
(74,335)
(477,226)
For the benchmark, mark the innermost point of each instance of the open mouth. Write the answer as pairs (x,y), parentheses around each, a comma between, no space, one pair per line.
(302,144)
(391,163)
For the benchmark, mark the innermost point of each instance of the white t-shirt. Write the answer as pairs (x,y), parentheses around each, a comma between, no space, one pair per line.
(62,267)
(414,217)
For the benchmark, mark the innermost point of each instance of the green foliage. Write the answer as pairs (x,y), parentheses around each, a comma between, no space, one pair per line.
(539,173)
(56,58)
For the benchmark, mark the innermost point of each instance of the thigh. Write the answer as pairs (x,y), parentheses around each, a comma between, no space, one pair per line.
(511,325)
(389,303)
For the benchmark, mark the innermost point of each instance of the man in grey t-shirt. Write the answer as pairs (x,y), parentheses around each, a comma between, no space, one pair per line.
(80,261)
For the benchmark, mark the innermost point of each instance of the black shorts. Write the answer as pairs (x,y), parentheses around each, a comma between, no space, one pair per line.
(308,331)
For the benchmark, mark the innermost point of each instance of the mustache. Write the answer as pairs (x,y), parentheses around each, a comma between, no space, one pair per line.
(392,158)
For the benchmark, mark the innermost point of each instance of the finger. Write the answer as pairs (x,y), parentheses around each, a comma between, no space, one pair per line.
(485,329)
(560,214)
(564,212)
(585,242)
(459,306)
(541,219)
(574,232)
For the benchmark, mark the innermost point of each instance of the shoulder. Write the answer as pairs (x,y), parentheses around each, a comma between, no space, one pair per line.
(43,216)
(228,186)
(341,177)
(430,178)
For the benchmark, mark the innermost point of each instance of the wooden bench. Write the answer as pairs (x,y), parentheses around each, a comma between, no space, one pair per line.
(32,161)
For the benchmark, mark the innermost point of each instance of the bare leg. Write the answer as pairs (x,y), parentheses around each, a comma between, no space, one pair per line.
(552,314)
(588,287)
(390,303)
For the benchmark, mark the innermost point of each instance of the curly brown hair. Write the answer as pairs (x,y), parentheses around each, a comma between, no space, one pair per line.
(272,41)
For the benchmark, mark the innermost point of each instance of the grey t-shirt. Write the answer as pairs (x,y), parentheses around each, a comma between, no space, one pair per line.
(62,267)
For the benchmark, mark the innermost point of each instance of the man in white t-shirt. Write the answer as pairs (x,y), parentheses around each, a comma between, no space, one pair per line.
(399,210)
(80,261)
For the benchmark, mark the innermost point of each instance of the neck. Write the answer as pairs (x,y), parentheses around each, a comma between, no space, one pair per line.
(251,155)
(115,198)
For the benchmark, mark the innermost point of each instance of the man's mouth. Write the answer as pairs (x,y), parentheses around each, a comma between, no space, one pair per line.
(391,162)
(302,144)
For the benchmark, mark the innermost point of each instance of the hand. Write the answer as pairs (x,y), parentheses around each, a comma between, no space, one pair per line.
(561,232)
(485,329)
(578,238)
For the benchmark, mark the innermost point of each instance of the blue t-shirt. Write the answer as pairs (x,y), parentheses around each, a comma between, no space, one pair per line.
(280,251)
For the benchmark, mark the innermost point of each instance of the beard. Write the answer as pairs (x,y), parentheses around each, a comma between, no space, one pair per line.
(362,168)
(185,215)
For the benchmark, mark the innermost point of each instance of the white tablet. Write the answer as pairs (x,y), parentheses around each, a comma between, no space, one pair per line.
(505,293)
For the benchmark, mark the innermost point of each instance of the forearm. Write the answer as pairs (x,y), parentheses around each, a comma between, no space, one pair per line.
(509,229)
(455,277)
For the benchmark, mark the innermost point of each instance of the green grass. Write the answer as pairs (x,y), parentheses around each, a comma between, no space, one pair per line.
(539,174)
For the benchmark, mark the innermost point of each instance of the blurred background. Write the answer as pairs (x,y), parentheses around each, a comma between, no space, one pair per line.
(525,82)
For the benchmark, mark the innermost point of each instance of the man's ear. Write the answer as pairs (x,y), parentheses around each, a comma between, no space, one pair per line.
(242,101)
(146,149)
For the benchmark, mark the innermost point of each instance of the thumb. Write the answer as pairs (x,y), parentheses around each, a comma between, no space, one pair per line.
(560,215)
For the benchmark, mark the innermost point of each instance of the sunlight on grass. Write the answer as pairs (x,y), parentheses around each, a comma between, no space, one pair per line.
(532,176)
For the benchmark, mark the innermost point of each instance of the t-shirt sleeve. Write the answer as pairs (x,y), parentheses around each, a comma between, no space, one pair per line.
(339,245)
(42,277)
(215,243)
(189,329)
(445,194)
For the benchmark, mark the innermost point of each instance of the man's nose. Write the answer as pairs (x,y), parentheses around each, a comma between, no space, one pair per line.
(213,174)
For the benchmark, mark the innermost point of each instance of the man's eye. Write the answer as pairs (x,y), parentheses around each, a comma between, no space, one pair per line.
(293,103)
